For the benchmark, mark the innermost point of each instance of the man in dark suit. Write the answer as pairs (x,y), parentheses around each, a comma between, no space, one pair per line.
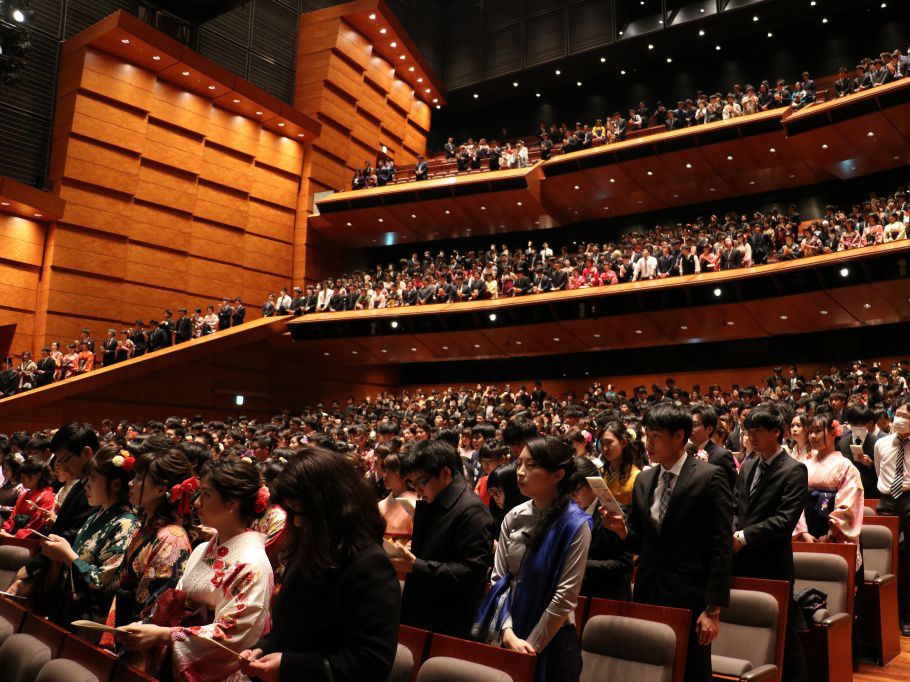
(169,327)
(73,446)
(679,525)
(184,331)
(451,548)
(310,300)
(46,368)
(160,337)
(449,148)
(843,85)
(769,498)
(239,313)
(225,313)
(857,444)
(9,379)
(421,170)
(808,87)
(704,424)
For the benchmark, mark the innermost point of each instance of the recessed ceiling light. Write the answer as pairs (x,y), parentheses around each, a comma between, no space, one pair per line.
(259,113)
(394,324)
(476,95)
(688,165)
(413,350)
(770,35)
(622,72)
(445,348)
(684,328)
(751,182)
(211,87)
(410,68)
(669,60)
(824,146)
(39,215)
(281,125)
(435,100)
(867,305)
(393,44)
(372,16)
(713,189)
(612,179)
(755,18)
(556,338)
(620,33)
(844,272)
(603,60)
(186,73)
(718,292)
(438,106)
(492,317)
(537,94)
(385,350)
(518,202)
(773,150)
(701,33)
(476,345)
(402,57)
(639,331)
(558,72)
(822,312)
(349,224)
(236,101)
(4,203)
(448,212)
(156,57)
(870,134)
(427,91)
(326,353)
(353,352)
(299,134)
(383,31)
(125,41)
(717,47)
(483,208)
(578,83)
(577,187)
(413,216)
(650,173)
(515,84)
(381,220)
(784,317)
(650,46)
(825,20)
(597,336)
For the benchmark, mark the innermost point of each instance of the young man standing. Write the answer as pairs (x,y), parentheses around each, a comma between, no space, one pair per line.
(451,548)
(679,525)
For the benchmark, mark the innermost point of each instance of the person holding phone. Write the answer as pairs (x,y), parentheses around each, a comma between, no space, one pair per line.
(857,444)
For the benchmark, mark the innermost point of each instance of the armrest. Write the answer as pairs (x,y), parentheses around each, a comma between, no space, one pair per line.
(885,579)
(838,619)
(820,615)
(760,674)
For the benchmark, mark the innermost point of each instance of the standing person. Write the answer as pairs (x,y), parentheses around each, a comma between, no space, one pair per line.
(398,519)
(139,338)
(618,454)
(268,308)
(85,359)
(239,313)
(225,314)
(451,549)
(770,495)
(229,576)
(184,328)
(28,369)
(47,368)
(857,444)
(704,424)
(679,525)
(160,338)
(283,304)
(109,348)
(892,459)
(336,568)
(125,349)
(539,565)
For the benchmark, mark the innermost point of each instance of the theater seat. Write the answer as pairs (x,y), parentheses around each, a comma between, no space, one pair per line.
(828,646)
(22,657)
(745,645)
(65,670)
(403,667)
(12,558)
(444,669)
(879,618)
(11,617)
(622,648)
(868,511)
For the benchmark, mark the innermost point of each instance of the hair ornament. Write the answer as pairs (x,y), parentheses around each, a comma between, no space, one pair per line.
(181,494)
(632,434)
(262,500)
(246,460)
(124,461)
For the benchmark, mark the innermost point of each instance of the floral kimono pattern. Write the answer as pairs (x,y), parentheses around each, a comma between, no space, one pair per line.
(272,525)
(232,584)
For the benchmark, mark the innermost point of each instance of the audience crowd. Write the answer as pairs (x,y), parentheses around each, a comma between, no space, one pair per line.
(181,532)
(709,244)
(701,109)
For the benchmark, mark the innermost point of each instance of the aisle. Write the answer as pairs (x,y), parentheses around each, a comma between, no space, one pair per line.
(897,671)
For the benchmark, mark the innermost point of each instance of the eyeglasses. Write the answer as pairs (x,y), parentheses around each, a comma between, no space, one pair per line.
(422,482)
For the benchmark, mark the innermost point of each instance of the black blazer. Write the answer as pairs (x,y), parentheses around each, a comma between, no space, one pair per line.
(719,456)
(346,623)
(184,330)
(609,566)
(866,473)
(686,562)
(768,518)
(454,550)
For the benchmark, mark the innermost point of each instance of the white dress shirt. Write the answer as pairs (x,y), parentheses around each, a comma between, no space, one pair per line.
(645,268)
(659,490)
(886,460)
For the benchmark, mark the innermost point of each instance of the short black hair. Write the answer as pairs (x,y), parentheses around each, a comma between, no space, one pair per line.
(667,416)
(74,437)
(766,416)
(859,414)
(488,431)
(431,456)
(706,413)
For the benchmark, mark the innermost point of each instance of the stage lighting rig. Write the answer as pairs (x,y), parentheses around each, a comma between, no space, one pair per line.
(14,39)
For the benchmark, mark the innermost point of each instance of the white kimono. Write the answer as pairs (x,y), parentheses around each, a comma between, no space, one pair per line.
(233,581)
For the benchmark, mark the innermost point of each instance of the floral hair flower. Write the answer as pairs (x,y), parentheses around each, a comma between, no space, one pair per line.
(124,461)
(838,428)
(181,494)
(246,460)
(587,436)
(262,500)
(632,434)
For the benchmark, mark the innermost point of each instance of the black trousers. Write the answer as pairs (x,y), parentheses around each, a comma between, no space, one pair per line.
(888,506)
(563,662)
(698,657)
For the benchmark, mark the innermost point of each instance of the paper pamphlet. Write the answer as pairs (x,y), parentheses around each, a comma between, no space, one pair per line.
(602,491)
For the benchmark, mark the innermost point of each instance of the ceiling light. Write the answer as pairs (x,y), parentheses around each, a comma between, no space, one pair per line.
(772,150)
(39,215)
(476,95)
(438,106)
(413,350)
(483,208)
(381,220)
(770,35)
(556,338)
(445,348)
(394,324)
(383,31)
(211,87)
(393,44)
(402,57)
(537,94)
(518,343)
(186,73)
(867,305)
(755,18)
(410,68)
(701,33)
(688,165)
(413,216)
(492,317)
(684,328)
(349,224)
(597,336)
(448,212)
(713,189)
(327,354)
(125,41)
(825,20)
(844,272)
(577,187)
(783,317)
(650,46)
(717,47)
(612,179)
(515,84)
(669,60)
(372,16)
(639,331)
(622,72)
(476,345)
(435,100)
(299,134)
(578,83)
(281,125)
(427,91)
(353,352)
(620,33)
(157,58)
(650,173)
(870,134)
(730,323)
(4,203)
(558,72)
(19,16)
(518,202)
(385,350)
(603,60)
(420,80)
(236,101)
(718,292)
(259,113)
(822,312)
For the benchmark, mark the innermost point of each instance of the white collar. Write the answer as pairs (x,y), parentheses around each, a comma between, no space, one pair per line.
(676,468)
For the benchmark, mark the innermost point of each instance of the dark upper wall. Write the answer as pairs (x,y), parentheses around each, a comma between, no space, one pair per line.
(847,37)
(256,40)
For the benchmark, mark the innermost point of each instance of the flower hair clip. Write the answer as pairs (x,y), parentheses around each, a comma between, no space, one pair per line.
(262,500)
(246,460)
(182,493)
(124,461)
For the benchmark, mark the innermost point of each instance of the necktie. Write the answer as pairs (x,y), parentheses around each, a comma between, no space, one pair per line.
(665,496)
(897,483)
(762,470)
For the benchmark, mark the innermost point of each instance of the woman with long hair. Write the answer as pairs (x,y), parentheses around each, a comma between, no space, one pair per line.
(273,523)
(539,565)
(12,487)
(158,551)
(338,608)
(226,587)
(35,505)
(617,450)
(398,519)
(799,438)
(91,564)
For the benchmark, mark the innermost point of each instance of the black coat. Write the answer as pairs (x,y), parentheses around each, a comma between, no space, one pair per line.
(686,562)
(719,456)
(73,513)
(46,369)
(768,517)
(454,551)
(160,339)
(609,566)
(238,316)
(866,473)
(346,623)
(184,329)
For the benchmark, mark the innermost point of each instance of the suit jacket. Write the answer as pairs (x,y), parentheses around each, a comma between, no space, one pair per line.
(454,551)
(686,562)
(350,632)
(421,170)
(866,473)
(239,315)
(184,329)
(46,369)
(73,513)
(719,456)
(609,566)
(768,517)
(160,339)
(268,309)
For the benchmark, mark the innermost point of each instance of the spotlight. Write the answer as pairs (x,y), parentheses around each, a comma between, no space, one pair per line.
(394,324)
(492,317)
(718,292)
(844,272)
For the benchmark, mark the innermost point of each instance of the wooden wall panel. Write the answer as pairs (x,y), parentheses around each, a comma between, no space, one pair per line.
(21,254)
(171,202)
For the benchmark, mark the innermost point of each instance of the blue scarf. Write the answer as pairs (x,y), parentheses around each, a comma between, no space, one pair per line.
(539,575)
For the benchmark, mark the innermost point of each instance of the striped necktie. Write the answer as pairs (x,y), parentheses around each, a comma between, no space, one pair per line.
(759,475)
(897,483)
(665,496)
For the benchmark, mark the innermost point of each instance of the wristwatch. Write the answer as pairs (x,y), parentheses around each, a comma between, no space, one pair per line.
(712,610)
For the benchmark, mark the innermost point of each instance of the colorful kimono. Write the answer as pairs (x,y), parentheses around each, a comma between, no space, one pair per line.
(835,502)
(100,545)
(25,517)
(231,584)
(272,525)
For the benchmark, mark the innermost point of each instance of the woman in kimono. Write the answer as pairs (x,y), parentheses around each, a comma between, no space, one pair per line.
(91,565)
(57,354)
(35,503)
(158,551)
(799,438)
(227,584)
(272,524)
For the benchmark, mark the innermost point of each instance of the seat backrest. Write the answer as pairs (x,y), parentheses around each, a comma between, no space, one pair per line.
(825,572)
(12,558)
(445,669)
(748,628)
(403,667)
(22,657)
(876,544)
(11,617)
(868,511)
(95,660)
(623,648)
(65,670)
(518,667)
